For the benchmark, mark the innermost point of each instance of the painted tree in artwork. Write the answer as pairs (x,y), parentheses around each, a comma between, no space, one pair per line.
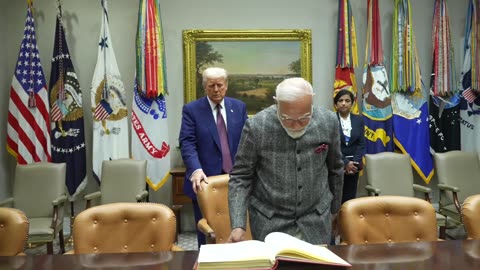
(206,55)
(295,67)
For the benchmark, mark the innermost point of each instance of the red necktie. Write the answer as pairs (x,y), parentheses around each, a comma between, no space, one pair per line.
(222,133)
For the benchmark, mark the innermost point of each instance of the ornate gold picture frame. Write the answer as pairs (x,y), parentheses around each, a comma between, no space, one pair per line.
(256,60)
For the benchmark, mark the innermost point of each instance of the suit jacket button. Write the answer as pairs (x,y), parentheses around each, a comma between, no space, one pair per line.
(299,169)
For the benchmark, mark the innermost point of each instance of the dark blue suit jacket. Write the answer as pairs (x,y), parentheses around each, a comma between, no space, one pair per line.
(199,140)
(356,145)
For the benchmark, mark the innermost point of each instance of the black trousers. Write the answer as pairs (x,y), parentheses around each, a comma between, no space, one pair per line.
(350,182)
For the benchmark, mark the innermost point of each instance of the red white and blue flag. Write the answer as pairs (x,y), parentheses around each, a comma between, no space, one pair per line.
(28,128)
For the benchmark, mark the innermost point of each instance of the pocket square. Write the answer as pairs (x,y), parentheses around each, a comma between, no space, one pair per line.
(321,148)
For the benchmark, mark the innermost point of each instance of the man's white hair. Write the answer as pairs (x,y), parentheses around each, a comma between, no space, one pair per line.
(213,73)
(292,89)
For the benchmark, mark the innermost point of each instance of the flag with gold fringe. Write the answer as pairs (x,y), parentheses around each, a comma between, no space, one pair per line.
(28,123)
(347,58)
(444,118)
(66,101)
(109,105)
(409,96)
(149,111)
(376,105)
(470,81)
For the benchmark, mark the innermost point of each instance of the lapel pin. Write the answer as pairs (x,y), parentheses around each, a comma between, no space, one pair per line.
(231,110)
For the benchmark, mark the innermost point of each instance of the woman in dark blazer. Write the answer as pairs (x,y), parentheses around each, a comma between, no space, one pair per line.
(352,141)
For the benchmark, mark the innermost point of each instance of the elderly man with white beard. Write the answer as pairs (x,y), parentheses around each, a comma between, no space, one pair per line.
(288,170)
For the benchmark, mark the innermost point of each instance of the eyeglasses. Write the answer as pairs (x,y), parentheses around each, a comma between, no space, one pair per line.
(290,121)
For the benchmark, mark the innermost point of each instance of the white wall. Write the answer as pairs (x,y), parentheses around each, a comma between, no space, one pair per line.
(82,22)
(5,187)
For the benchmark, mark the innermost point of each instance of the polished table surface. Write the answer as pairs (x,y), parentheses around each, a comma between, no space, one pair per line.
(452,254)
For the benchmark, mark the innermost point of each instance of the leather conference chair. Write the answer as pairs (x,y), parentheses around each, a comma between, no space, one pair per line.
(39,191)
(387,219)
(13,231)
(471,216)
(122,180)
(124,228)
(213,201)
(458,175)
(390,173)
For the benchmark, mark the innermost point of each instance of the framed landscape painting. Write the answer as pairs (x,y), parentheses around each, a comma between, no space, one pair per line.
(256,61)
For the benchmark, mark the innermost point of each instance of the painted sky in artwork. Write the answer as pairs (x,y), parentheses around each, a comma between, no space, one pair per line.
(257,57)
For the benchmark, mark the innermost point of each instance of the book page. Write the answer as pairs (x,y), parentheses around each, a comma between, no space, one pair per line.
(250,250)
(285,245)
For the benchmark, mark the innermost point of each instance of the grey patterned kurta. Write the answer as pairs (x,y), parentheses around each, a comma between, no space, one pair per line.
(287,184)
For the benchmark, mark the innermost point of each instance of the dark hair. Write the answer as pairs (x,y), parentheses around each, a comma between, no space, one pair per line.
(342,93)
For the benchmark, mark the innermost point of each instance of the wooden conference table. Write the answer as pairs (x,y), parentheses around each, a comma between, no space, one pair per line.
(452,254)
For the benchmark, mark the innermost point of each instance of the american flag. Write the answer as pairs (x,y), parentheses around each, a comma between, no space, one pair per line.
(56,113)
(28,129)
(102,111)
(469,95)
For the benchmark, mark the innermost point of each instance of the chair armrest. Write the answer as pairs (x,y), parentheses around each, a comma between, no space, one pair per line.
(6,201)
(94,195)
(448,187)
(89,197)
(455,191)
(70,252)
(204,227)
(207,230)
(60,200)
(370,189)
(176,248)
(424,189)
(141,197)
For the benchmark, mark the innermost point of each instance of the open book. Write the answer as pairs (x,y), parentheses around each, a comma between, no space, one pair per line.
(265,255)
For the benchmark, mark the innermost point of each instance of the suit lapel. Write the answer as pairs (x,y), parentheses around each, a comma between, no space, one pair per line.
(230,121)
(210,121)
(355,135)
(342,136)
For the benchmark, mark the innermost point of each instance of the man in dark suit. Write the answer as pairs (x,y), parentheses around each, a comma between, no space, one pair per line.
(209,135)
(288,170)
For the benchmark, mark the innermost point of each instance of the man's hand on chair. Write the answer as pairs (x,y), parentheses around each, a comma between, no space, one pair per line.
(196,179)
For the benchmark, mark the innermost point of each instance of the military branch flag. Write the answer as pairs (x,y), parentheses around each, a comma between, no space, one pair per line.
(409,96)
(376,105)
(149,111)
(28,128)
(347,58)
(109,107)
(68,133)
(469,81)
(444,118)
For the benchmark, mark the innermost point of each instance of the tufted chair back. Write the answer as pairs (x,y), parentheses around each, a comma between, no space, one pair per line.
(124,227)
(13,231)
(471,216)
(387,219)
(213,201)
